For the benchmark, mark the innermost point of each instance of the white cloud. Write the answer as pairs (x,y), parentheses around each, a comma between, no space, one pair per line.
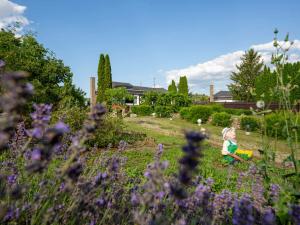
(11,13)
(217,71)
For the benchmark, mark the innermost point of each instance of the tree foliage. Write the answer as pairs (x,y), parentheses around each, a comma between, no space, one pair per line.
(265,86)
(52,80)
(101,80)
(118,96)
(244,78)
(172,87)
(104,77)
(183,86)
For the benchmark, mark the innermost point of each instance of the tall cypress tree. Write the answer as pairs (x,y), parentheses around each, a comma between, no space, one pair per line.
(101,80)
(107,72)
(183,86)
(172,87)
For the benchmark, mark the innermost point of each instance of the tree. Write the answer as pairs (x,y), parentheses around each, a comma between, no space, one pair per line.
(118,96)
(101,80)
(48,74)
(265,86)
(107,73)
(183,86)
(172,87)
(244,78)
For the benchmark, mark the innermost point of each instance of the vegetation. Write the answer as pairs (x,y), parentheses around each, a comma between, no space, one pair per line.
(172,88)
(183,86)
(244,79)
(51,174)
(142,110)
(104,77)
(194,113)
(118,96)
(221,119)
(250,123)
(52,80)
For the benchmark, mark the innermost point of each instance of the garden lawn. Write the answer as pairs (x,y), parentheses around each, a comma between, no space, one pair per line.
(170,134)
(176,127)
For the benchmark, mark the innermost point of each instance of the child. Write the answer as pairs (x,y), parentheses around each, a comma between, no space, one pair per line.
(230,150)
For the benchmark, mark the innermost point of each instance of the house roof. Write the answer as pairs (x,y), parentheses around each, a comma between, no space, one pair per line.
(121,84)
(136,89)
(222,94)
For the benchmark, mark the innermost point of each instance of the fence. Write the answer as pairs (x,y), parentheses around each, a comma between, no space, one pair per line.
(248,105)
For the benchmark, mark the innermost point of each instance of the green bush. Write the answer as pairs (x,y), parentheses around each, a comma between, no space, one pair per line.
(196,112)
(184,112)
(250,123)
(222,119)
(276,125)
(163,111)
(216,107)
(142,110)
(73,116)
(112,131)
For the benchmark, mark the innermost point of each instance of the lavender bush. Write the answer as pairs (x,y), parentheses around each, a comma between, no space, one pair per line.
(45,179)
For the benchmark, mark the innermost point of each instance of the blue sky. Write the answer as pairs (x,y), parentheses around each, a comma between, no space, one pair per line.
(158,38)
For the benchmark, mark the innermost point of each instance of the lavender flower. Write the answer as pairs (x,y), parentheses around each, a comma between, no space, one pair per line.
(269,217)
(41,117)
(189,162)
(274,192)
(11,179)
(12,100)
(295,214)
(243,211)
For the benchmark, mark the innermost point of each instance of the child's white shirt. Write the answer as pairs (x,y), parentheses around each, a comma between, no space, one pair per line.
(226,143)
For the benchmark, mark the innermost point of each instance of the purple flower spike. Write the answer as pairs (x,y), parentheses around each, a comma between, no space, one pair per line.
(62,127)
(11,179)
(36,155)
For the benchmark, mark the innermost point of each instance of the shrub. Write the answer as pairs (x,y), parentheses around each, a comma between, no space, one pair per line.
(222,119)
(197,112)
(112,132)
(276,125)
(249,123)
(216,107)
(163,111)
(73,116)
(142,110)
(184,112)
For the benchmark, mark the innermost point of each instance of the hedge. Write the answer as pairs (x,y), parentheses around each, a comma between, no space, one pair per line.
(222,119)
(163,111)
(142,110)
(196,112)
(276,125)
(249,123)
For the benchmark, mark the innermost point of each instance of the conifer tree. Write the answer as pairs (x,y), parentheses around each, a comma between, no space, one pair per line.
(243,84)
(172,87)
(107,72)
(101,80)
(183,86)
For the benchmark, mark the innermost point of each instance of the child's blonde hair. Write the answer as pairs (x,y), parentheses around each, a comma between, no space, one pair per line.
(226,130)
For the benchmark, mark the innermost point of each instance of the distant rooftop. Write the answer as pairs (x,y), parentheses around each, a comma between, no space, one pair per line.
(136,89)
(222,94)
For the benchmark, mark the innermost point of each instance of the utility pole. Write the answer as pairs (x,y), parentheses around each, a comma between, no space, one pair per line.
(154,82)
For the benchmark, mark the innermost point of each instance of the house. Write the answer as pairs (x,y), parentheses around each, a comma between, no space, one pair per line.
(136,91)
(223,96)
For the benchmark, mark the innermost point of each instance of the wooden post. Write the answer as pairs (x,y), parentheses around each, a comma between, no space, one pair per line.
(211,93)
(92,92)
